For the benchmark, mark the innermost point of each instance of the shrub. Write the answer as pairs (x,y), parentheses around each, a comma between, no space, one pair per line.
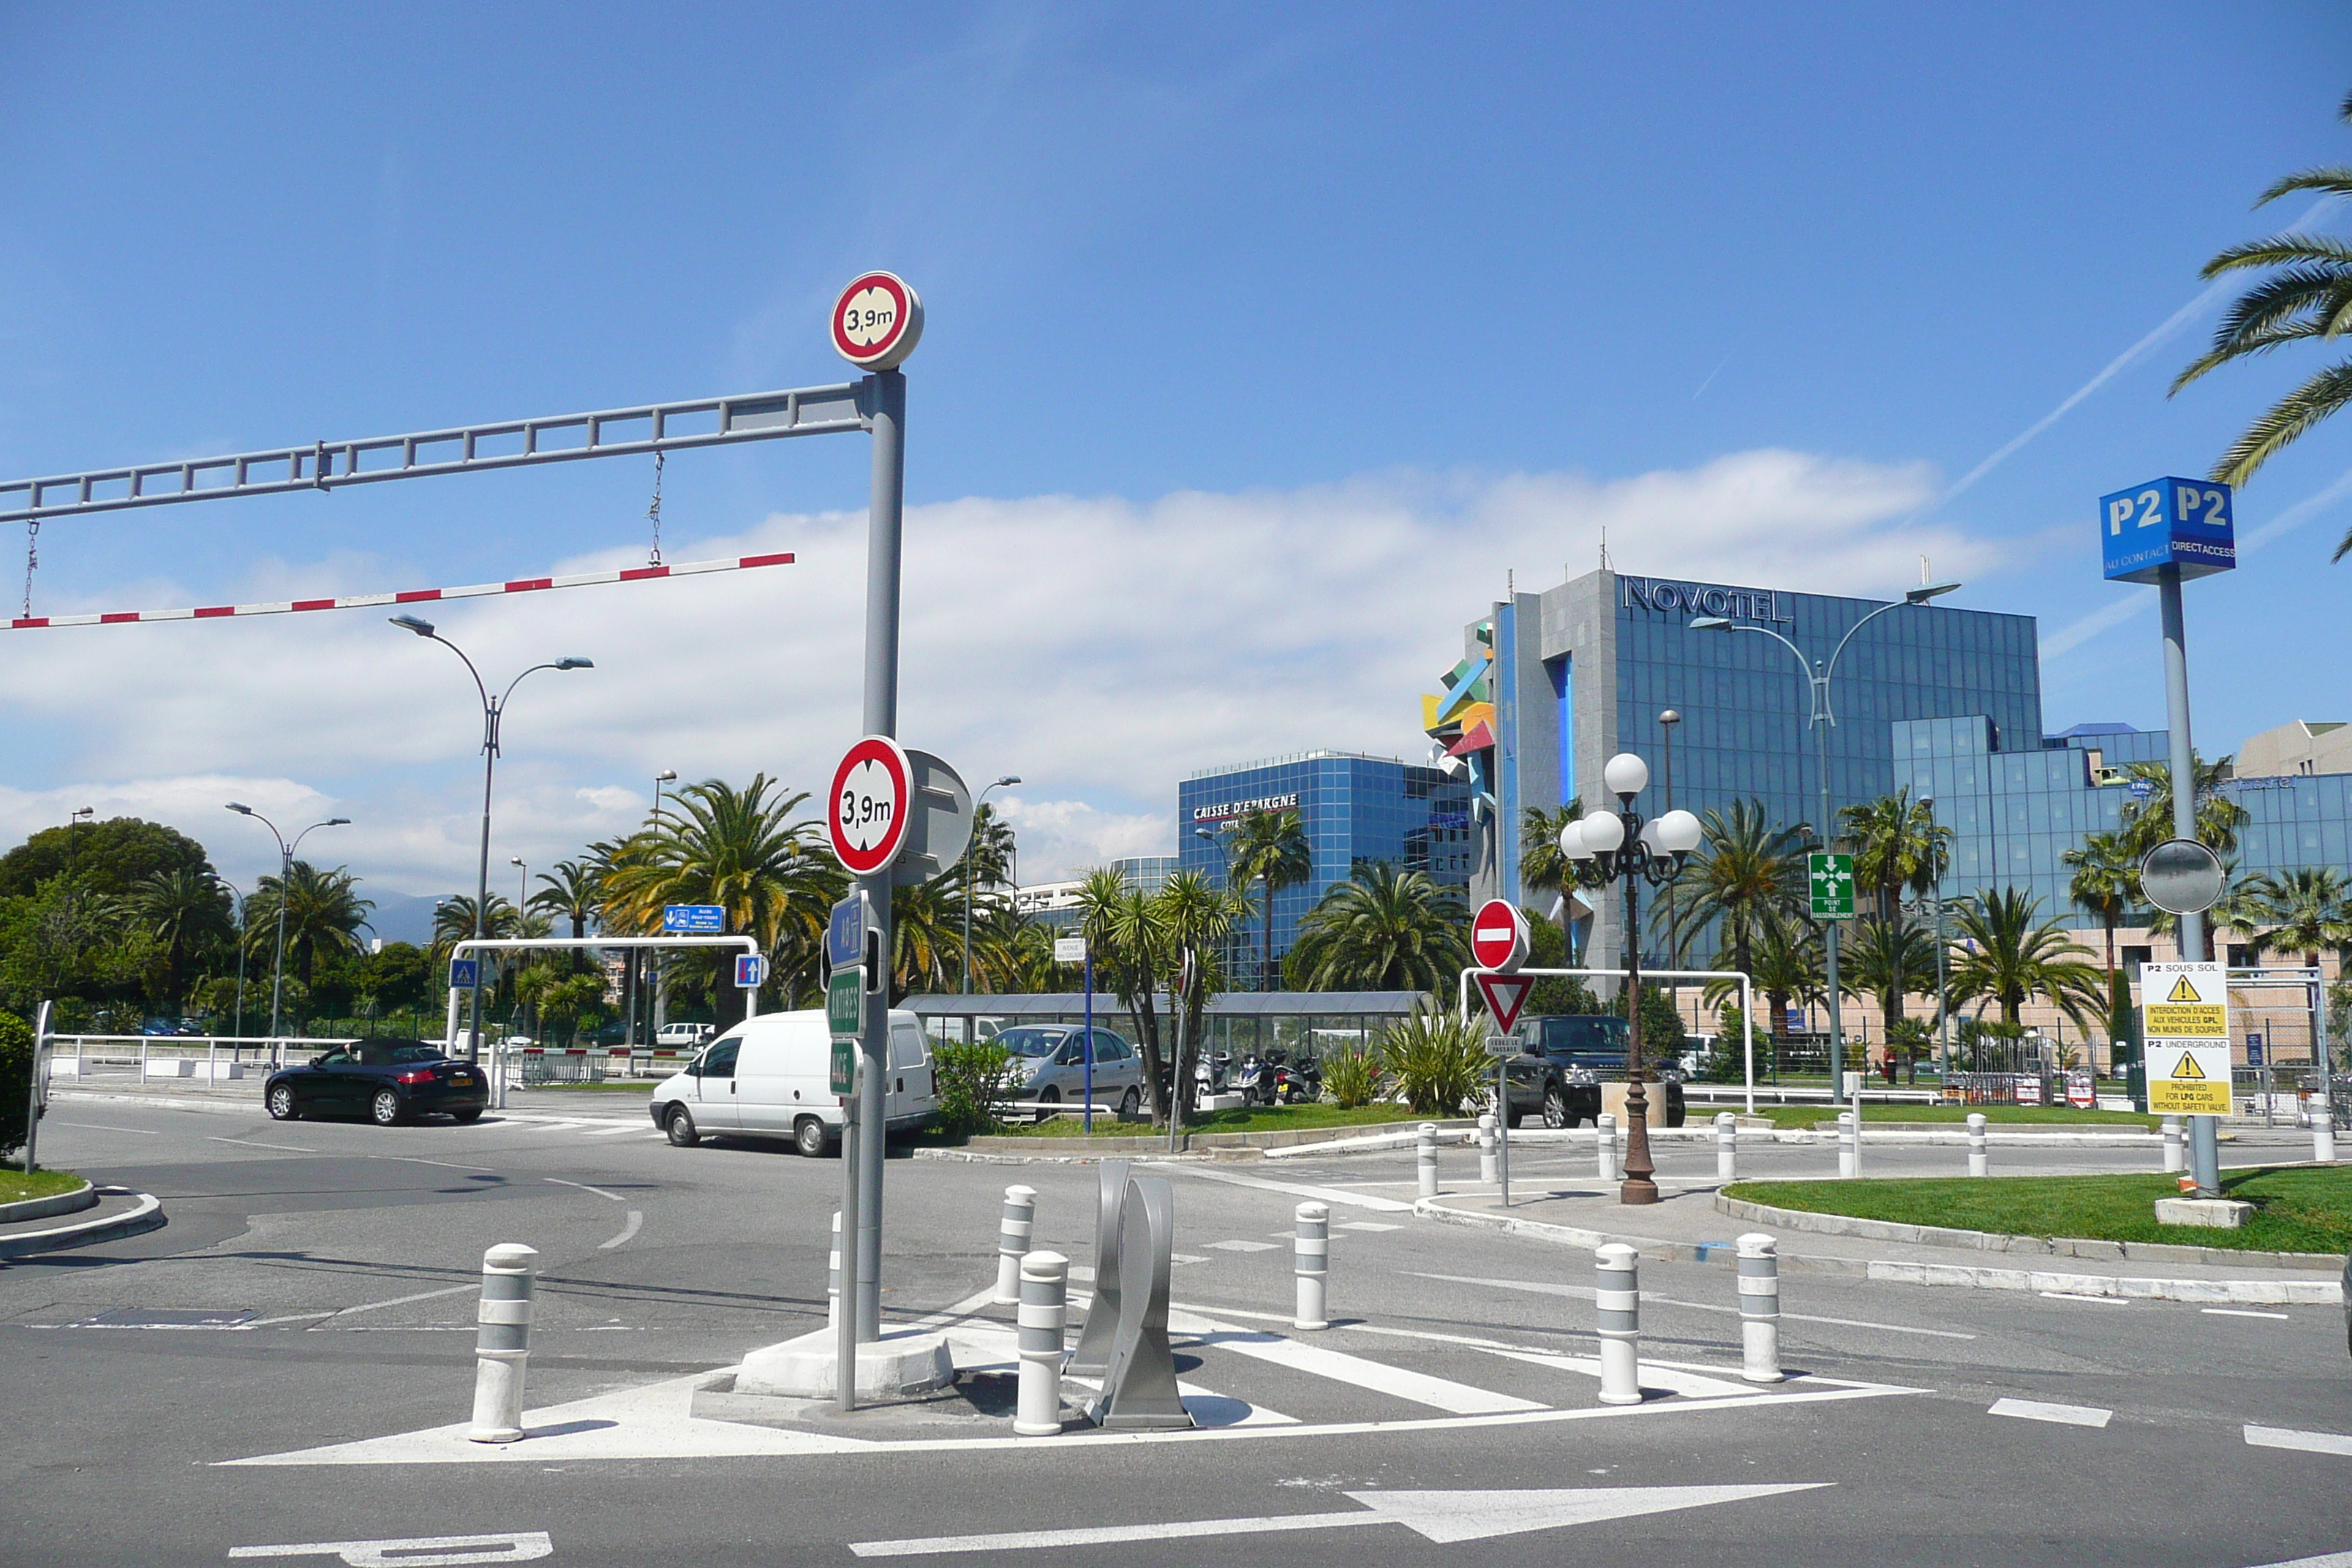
(1351,1078)
(971,1081)
(16,1079)
(1437,1059)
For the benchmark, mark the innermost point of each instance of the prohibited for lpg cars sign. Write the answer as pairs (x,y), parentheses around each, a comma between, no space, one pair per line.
(876,321)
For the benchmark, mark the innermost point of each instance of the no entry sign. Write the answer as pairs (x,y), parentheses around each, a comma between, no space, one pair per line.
(867,814)
(876,321)
(1498,936)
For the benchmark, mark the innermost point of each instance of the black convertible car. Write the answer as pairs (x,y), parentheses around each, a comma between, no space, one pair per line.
(388,1082)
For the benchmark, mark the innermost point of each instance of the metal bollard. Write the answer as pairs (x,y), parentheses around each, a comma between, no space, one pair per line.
(1979,1162)
(502,1343)
(1429,1159)
(1849,1144)
(1013,1241)
(1618,1301)
(2174,1159)
(1312,1258)
(832,1277)
(1487,1172)
(1045,1311)
(1760,1307)
(1604,1147)
(1726,1146)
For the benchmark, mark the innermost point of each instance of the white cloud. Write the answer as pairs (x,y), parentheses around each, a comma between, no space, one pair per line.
(1099,648)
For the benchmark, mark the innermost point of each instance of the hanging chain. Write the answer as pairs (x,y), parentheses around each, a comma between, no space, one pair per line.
(32,559)
(653,511)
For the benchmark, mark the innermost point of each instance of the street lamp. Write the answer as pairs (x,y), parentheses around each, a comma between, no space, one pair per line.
(493,709)
(667,776)
(1620,846)
(1819,718)
(285,875)
(1007,779)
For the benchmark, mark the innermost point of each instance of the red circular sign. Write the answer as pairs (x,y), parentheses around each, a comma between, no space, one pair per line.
(1499,935)
(876,321)
(865,814)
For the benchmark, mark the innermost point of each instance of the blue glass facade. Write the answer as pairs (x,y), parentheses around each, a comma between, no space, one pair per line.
(1355,809)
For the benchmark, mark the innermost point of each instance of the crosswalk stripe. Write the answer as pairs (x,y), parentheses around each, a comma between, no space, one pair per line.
(2037,1410)
(1416,1387)
(1296,1189)
(2309,1442)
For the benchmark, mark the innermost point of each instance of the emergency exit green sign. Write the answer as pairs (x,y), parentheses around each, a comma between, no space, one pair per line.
(1831,880)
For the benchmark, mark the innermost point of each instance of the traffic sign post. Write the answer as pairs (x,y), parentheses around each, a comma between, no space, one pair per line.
(465,974)
(873,789)
(694,920)
(1498,937)
(750,971)
(1829,880)
(845,1003)
(1506,994)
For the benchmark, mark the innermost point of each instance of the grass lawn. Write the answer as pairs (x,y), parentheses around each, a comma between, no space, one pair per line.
(1256,1119)
(15,1184)
(1798,1117)
(2304,1209)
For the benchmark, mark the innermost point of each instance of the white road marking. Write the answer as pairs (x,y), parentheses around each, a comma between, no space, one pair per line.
(1240,1246)
(586,1188)
(2329,1559)
(609,1131)
(288,1317)
(102,1127)
(2065,1414)
(1296,1189)
(1584,1293)
(1416,1387)
(1186,1257)
(440,1550)
(401,1300)
(2097,1300)
(629,1230)
(1367,1224)
(2309,1442)
(257,1143)
(413,1159)
(2241,1312)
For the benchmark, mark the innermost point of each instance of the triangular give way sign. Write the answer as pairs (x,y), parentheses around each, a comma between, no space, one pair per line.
(1506,994)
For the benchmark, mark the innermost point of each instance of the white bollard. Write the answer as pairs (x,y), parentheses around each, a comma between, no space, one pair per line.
(1312,1259)
(1727,1147)
(1487,1172)
(1428,1158)
(2173,1158)
(1619,1301)
(1045,1312)
(502,1341)
(1980,1163)
(1849,1145)
(2322,1129)
(832,1277)
(1760,1307)
(1013,1241)
(1604,1147)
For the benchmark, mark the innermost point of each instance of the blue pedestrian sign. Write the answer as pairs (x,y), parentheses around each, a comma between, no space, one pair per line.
(750,971)
(694,920)
(465,974)
(2188,523)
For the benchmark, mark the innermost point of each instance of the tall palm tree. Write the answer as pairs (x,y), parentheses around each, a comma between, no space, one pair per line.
(2147,821)
(1270,848)
(926,938)
(2106,878)
(2009,956)
(1881,960)
(1126,932)
(1542,867)
(988,860)
(2308,297)
(572,892)
(2303,911)
(1747,871)
(1382,930)
(187,910)
(1897,843)
(1197,917)
(324,914)
(1788,956)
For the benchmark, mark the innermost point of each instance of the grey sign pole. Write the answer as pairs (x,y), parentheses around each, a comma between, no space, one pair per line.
(884,393)
(2204,1145)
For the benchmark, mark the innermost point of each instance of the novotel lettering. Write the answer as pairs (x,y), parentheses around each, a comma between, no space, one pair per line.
(1703,599)
(1220,812)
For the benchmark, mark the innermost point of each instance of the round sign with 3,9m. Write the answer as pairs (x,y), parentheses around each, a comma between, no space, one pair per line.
(876,321)
(866,813)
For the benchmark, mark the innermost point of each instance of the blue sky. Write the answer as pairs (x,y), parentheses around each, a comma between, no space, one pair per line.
(1260,347)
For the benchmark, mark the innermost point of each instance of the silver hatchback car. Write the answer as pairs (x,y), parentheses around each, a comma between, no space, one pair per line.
(1049,1066)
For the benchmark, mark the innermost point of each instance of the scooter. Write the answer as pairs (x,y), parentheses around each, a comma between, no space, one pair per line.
(1255,1080)
(1296,1085)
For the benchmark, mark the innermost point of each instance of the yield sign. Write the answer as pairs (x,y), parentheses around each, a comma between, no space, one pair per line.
(1506,994)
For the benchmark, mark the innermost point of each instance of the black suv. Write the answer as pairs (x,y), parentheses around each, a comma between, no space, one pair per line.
(1563,1060)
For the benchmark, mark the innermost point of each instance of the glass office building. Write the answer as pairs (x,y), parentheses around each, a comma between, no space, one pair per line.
(1355,809)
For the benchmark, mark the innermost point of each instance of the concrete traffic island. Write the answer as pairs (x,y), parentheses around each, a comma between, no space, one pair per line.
(2225,1214)
(903,1364)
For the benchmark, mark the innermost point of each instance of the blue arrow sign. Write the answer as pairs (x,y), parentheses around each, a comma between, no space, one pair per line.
(750,971)
(694,920)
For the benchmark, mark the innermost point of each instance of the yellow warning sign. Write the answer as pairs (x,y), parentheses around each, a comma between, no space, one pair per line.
(2188,1068)
(2194,1002)
(2188,1079)
(2182,991)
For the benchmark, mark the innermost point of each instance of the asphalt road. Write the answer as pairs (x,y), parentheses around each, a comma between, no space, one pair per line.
(337,1264)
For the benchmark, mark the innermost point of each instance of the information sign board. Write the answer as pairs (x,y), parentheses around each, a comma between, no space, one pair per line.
(2186,524)
(842,1078)
(694,920)
(1830,879)
(844,1001)
(1069,950)
(845,932)
(2185,1019)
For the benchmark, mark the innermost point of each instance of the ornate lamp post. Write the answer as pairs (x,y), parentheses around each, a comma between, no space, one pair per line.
(1622,848)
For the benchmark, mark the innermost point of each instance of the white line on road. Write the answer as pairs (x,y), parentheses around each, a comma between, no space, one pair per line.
(102,1127)
(1416,1387)
(2309,1442)
(519,1546)
(2065,1414)
(2329,1559)
(629,1230)
(413,1159)
(1296,1189)
(257,1143)
(617,1126)
(1584,1293)
(1367,1224)
(2096,1300)
(586,1188)
(2241,1312)
(1240,1246)
(402,1300)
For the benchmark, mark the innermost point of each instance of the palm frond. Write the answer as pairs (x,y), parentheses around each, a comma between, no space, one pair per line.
(2284,422)
(2336,182)
(2288,249)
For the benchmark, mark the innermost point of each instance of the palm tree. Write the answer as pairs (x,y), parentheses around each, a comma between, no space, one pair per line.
(187,911)
(1270,848)
(1196,917)
(2308,297)
(1879,962)
(573,893)
(1381,929)
(1748,872)
(2009,956)
(2147,821)
(1897,842)
(1788,956)
(926,938)
(324,914)
(1126,932)
(2304,910)
(2105,875)
(1542,867)
(988,860)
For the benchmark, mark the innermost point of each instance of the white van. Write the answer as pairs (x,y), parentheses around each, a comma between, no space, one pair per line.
(771,1077)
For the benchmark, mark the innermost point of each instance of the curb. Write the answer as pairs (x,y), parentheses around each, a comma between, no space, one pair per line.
(240,1105)
(1999,1241)
(1093,1157)
(146,1216)
(82,1198)
(2252,1292)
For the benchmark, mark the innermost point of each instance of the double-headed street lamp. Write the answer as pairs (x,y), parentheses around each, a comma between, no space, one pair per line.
(1819,719)
(1007,780)
(493,709)
(285,876)
(1621,847)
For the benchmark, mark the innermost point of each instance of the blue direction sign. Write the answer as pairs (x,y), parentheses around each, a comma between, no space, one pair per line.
(2188,523)
(694,920)
(465,974)
(750,971)
(844,933)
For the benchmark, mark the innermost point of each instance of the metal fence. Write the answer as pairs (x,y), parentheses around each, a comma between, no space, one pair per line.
(208,1058)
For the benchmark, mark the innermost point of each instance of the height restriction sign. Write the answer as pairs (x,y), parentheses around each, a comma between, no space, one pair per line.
(867,819)
(2185,1019)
